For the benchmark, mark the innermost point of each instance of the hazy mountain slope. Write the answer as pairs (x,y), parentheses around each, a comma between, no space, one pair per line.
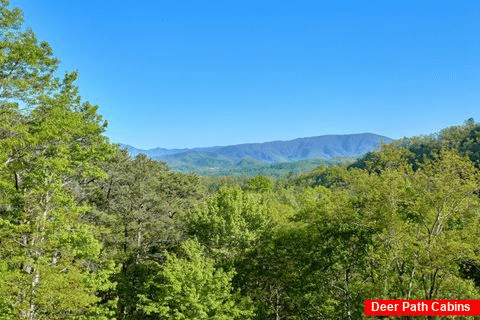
(219,160)
(161,153)
(305,148)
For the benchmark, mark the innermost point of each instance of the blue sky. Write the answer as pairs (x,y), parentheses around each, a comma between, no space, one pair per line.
(178,74)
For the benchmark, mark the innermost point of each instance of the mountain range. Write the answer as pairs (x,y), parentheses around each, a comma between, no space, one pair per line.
(217,160)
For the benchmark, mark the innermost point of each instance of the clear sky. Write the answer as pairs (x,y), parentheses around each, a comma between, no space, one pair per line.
(178,74)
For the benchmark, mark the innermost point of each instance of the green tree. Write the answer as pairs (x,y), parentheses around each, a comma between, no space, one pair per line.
(432,229)
(470,145)
(140,204)
(52,264)
(42,229)
(260,184)
(190,287)
(230,222)
(28,65)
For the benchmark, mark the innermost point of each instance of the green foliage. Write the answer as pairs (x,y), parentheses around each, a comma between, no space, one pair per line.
(456,138)
(398,235)
(139,204)
(27,65)
(260,184)
(221,166)
(417,218)
(322,176)
(230,222)
(215,183)
(470,145)
(52,265)
(189,287)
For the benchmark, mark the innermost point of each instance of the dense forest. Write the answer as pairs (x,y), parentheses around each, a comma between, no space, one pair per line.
(87,232)
(248,167)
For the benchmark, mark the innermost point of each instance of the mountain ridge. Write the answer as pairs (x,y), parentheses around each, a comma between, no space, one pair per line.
(324,147)
(167,152)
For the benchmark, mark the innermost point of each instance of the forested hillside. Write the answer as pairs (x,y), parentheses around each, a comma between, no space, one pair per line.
(275,158)
(87,232)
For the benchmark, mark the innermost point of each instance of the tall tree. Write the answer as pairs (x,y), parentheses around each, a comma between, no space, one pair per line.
(47,136)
